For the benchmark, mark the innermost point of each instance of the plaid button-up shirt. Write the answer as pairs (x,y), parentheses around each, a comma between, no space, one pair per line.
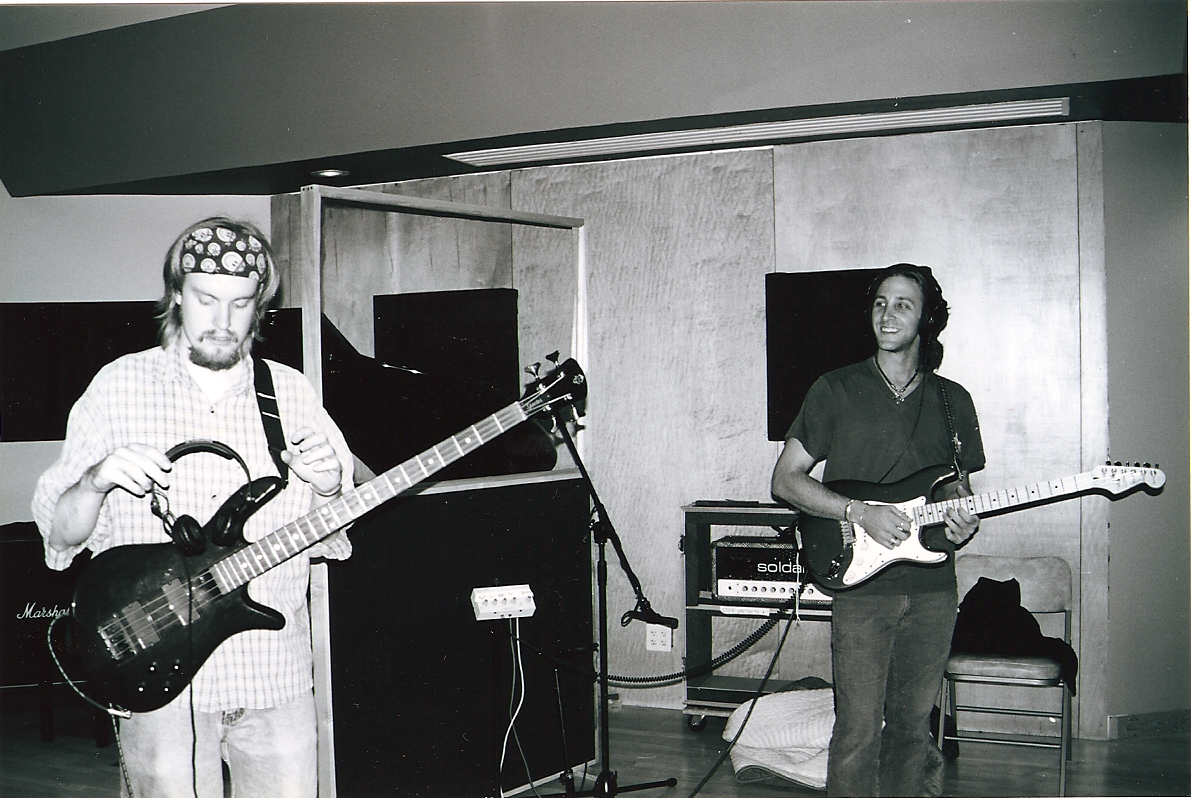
(150,398)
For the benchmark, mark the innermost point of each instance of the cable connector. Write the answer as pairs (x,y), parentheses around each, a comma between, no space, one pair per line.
(508,601)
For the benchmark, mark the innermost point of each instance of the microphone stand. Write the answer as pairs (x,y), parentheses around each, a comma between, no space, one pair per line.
(603,531)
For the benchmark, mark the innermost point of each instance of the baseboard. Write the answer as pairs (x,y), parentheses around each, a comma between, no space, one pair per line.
(1149,724)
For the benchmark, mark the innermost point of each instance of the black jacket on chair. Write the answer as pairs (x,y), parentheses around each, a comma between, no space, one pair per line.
(992,621)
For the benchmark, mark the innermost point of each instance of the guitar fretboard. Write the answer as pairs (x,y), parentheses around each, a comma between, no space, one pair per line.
(989,503)
(297,536)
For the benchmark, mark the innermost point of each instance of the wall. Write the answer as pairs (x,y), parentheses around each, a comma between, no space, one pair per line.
(75,249)
(677,250)
(1145,187)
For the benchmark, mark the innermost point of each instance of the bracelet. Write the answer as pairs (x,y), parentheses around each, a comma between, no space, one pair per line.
(848,511)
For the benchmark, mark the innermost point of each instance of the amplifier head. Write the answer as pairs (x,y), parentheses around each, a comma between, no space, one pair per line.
(759,570)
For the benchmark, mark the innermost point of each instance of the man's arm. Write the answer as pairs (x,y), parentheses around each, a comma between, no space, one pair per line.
(793,483)
(134,468)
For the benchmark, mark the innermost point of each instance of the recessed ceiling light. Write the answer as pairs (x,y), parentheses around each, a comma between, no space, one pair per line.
(330,173)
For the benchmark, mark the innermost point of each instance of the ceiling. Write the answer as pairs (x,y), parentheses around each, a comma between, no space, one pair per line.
(253,98)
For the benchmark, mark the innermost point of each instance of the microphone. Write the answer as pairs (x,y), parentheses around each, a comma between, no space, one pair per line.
(643,612)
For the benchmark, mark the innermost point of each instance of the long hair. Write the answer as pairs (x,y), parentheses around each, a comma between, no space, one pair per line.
(934,309)
(169,313)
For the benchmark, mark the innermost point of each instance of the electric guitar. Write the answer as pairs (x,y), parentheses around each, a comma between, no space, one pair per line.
(840,554)
(146,617)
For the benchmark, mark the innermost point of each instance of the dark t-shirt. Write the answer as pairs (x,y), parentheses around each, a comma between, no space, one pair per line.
(850,419)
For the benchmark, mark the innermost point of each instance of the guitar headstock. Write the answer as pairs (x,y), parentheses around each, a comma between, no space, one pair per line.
(1120,477)
(563,384)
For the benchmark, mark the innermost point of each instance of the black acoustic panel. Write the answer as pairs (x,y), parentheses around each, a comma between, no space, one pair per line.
(50,351)
(814,322)
(461,343)
(421,689)
(281,334)
(389,415)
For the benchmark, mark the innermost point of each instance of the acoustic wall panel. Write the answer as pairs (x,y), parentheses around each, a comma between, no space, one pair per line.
(422,691)
(814,322)
(49,351)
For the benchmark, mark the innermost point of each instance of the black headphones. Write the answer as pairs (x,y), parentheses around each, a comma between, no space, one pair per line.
(226,527)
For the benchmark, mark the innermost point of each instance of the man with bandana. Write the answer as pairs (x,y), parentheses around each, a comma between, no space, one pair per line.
(252,702)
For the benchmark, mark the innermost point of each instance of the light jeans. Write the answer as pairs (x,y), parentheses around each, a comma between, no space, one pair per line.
(888,654)
(271,753)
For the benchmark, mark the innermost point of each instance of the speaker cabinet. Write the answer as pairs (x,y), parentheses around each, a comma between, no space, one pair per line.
(422,691)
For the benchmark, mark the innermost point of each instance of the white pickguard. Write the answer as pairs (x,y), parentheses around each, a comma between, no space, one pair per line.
(869,556)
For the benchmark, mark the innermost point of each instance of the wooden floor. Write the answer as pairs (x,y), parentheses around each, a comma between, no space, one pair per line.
(647,745)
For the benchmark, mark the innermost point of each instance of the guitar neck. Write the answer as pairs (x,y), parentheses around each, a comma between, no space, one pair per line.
(1006,500)
(295,537)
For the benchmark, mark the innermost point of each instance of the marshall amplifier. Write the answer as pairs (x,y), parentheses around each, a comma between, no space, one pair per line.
(759,570)
(31,595)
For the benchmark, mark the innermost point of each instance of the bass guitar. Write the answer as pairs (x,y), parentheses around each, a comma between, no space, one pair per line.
(146,617)
(841,555)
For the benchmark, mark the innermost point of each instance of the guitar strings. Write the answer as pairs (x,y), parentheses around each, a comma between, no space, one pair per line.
(123,633)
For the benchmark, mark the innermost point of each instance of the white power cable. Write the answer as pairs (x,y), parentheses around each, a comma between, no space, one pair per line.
(515,624)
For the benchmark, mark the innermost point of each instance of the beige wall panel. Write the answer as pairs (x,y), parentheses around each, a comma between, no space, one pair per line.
(677,250)
(367,252)
(449,254)
(544,275)
(995,213)
(358,262)
(1146,213)
(1091,711)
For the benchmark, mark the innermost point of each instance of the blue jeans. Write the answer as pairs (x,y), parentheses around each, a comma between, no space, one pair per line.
(271,753)
(887,655)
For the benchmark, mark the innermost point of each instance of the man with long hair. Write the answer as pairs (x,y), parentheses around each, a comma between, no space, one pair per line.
(880,421)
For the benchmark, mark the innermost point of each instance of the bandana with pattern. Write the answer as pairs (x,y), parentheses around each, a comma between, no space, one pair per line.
(221,250)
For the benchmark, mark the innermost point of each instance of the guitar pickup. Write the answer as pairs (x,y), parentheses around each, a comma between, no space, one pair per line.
(180,603)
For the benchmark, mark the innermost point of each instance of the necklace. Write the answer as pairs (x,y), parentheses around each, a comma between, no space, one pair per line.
(899,394)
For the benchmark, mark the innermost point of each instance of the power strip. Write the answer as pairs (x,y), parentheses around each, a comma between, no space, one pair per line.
(508,601)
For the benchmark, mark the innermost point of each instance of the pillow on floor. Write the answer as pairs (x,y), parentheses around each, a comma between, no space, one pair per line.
(786,736)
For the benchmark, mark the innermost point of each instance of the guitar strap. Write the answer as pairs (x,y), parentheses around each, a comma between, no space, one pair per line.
(956,445)
(266,400)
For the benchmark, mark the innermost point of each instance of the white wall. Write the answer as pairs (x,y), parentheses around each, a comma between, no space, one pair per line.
(1146,256)
(87,249)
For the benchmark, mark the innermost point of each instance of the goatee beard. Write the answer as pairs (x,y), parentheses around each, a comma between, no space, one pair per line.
(218,360)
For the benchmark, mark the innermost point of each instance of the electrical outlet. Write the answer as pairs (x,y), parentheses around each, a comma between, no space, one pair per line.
(658,638)
(512,601)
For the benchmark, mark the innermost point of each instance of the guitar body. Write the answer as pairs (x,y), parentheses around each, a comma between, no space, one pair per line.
(129,625)
(841,555)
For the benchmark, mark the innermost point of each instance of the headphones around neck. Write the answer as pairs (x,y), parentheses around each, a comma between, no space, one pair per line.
(226,527)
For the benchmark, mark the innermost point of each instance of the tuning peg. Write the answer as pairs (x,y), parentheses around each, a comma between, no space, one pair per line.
(1147,465)
(553,357)
(1117,463)
(532,370)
